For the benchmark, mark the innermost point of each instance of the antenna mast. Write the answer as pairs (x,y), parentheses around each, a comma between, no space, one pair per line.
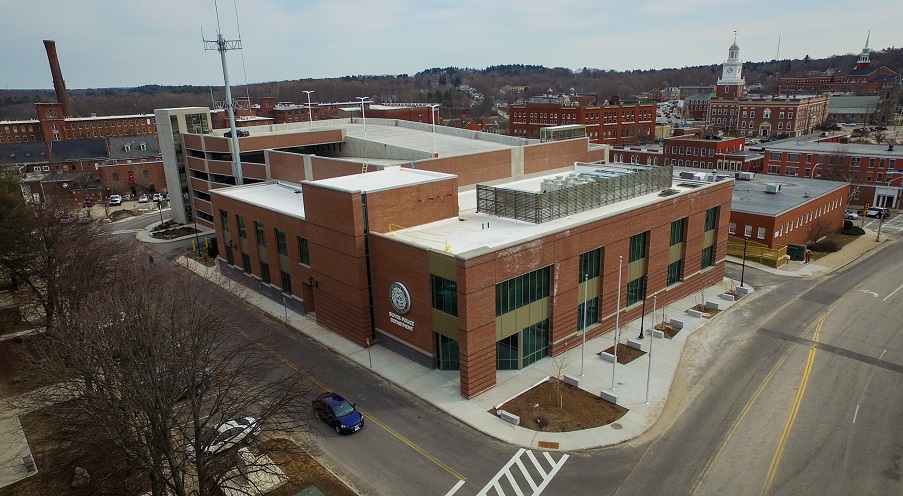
(222,45)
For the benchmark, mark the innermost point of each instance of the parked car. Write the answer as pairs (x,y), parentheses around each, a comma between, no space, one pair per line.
(878,213)
(126,197)
(338,413)
(226,435)
(143,199)
(241,133)
(157,197)
(115,200)
(849,214)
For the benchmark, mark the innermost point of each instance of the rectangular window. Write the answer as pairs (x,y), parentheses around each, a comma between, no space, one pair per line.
(242,232)
(589,309)
(246,262)
(302,251)
(522,290)
(675,272)
(224,219)
(760,233)
(747,230)
(265,272)
(635,289)
(281,245)
(261,237)
(590,264)
(444,295)
(678,231)
(708,256)
(711,218)
(732,228)
(286,282)
(638,246)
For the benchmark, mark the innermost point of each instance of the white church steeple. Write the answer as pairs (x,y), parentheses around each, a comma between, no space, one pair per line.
(864,61)
(731,82)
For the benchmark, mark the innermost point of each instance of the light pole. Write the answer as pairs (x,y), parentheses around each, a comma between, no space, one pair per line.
(160,208)
(197,240)
(583,350)
(643,317)
(433,117)
(363,115)
(614,363)
(649,367)
(743,267)
(310,112)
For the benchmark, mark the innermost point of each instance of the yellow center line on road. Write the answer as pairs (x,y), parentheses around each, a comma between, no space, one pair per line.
(369,416)
(779,451)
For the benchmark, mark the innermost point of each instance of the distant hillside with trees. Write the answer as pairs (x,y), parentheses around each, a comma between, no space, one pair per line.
(435,85)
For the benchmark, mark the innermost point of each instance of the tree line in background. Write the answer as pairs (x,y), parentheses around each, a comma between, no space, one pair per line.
(435,85)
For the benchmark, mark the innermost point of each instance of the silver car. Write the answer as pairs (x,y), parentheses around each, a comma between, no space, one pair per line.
(224,436)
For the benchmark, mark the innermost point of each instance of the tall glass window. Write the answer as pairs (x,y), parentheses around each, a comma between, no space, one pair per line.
(444,295)
(711,218)
(240,221)
(678,231)
(536,342)
(590,264)
(522,290)
(286,282)
(246,262)
(708,256)
(591,312)
(281,245)
(261,237)
(638,246)
(302,251)
(507,354)
(265,272)
(635,290)
(675,272)
(447,353)
(224,219)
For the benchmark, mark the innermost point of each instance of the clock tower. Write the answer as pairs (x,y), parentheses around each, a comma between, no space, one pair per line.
(731,84)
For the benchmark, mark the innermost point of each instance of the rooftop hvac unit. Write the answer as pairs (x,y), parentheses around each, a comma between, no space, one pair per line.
(772,188)
(745,176)
(546,185)
(721,177)
(687,175)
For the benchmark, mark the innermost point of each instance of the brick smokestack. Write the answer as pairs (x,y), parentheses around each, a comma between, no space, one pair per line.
(58,84)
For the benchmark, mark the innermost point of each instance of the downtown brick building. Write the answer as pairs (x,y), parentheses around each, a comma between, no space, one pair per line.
(612,122)
(421,255)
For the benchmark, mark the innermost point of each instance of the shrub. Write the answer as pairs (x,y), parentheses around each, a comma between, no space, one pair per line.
(852,231)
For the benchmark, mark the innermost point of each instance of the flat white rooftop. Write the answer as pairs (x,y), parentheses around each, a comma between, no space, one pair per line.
(279,196)
(388,178)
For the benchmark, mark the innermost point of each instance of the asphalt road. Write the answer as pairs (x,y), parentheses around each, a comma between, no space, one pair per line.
(800,393)
(796,391)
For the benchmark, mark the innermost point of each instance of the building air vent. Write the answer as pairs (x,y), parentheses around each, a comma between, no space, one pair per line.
(745,176)
(772,188)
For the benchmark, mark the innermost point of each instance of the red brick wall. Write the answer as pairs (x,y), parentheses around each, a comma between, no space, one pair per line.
(549,156)
(472,169)
(413,205)
(285,166)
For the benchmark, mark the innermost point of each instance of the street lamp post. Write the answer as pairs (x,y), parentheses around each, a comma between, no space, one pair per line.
(583,349)
(160,208)
(363,115)
(614,363)
(743,267)
(310,112)
(197,240)
(433,117)
(643,317)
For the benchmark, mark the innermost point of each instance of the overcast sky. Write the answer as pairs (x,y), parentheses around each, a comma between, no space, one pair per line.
(116,43)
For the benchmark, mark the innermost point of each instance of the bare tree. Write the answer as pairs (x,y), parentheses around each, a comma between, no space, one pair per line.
(559,363)
(151,372)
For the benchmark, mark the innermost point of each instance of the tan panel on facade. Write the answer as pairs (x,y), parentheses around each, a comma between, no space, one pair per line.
(676,253)
(708,238)
(513,322)
(636,269)
(284,263)
(445,324)
(592,289)
(442,265)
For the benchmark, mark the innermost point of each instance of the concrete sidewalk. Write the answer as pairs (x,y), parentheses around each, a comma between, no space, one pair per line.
(441,387)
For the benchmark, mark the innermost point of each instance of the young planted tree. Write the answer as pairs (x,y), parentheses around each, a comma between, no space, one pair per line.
(151,374)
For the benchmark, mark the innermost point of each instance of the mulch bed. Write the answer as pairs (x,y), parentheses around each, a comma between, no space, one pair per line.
(667,329)
(707,313)
(541,408)
(626,354)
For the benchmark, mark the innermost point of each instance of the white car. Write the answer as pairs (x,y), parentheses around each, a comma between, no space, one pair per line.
(115,200)
(225,436)
(157,197)
(143,199)
(849,214)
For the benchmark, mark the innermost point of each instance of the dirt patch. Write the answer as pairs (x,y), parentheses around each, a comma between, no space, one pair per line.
(541,409)
(668,330)
(302,470)
(707,312)
(121,214)
(836,241)
(626,354)
(15,361)
(165,231)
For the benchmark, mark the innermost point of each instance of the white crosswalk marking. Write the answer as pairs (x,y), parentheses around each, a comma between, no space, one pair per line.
(507,478)
(124,231)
